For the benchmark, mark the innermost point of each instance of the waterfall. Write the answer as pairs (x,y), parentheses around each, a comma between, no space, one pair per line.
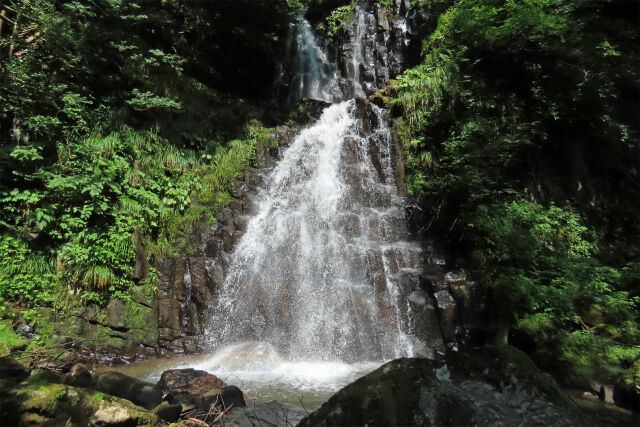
(314,76)
(315,274)
(357,55)
(324,284)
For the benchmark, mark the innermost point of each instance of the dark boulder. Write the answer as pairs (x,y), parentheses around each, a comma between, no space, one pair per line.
(226,397)
(185,385)
(139,392)
(168,412)
(79,376)
(494,386)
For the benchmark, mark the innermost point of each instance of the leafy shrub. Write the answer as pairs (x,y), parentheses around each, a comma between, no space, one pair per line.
(512,125)
(25,276)
(338,17)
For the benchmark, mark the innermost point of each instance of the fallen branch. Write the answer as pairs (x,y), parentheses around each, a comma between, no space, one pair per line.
(33,37)
(223,413)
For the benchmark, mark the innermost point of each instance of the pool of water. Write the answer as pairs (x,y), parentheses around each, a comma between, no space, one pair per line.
(262,374)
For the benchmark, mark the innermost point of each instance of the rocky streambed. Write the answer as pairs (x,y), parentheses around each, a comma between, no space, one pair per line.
(484,387)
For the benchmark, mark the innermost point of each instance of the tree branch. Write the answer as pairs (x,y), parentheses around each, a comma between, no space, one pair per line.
(10,9)
(3,17)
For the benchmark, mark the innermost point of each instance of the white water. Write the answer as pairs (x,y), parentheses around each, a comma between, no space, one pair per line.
(312,299)
(357,56)
(328,222)
(314,76)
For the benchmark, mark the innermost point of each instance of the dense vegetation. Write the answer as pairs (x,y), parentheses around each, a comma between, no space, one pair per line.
(115,138)
(121,124)
(521,132)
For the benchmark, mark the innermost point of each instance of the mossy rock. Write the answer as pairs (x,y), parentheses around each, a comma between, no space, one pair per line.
(58,404)
(44,399)
(141,321)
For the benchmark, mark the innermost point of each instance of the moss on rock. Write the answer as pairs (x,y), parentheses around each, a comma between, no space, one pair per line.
(58,404)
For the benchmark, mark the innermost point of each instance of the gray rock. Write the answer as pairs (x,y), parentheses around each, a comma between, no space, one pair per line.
(112,416)
(115,309)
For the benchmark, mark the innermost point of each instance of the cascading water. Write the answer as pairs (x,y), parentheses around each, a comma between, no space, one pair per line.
(314,76)
(357,54)
(311,276)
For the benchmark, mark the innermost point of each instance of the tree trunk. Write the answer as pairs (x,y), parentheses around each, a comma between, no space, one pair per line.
(12,46)
(3,13)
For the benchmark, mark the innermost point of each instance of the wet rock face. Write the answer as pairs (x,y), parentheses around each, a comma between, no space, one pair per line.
(188,286)
(495,386)
(377,45)
(460,302)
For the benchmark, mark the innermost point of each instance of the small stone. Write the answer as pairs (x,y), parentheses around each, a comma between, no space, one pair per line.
(31,419)
(606,394)
(111,416)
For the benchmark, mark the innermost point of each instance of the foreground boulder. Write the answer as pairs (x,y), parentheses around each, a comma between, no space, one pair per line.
(139,392)
(221,398)
(48,404)
(200,389)
(492,386)
(179,382)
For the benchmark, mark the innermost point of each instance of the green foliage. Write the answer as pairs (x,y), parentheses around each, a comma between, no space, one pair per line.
(9,340)
(538,262)
(339,17)
(588,352)
(208,187)
(98,396)
(43,327)
(25,275)
(147,101)
(86,207)
(512,126)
